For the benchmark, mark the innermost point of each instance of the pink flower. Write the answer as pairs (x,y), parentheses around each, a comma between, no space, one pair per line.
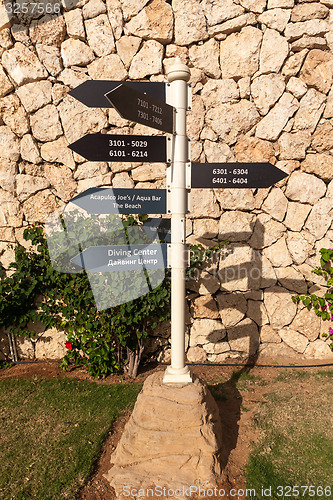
(330,331)
(68,345)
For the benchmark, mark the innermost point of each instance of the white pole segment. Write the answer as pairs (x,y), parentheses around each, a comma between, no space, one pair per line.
(178,75)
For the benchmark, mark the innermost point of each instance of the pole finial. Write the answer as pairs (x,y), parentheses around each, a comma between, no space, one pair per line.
(178,71)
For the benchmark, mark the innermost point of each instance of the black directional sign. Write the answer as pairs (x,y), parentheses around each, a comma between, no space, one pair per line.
(141,108)
(122,201)
(235,175)
(162,227)
(122,258)
(123,148)
(92,92)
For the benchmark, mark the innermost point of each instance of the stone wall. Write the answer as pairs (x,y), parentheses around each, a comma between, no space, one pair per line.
(262,75)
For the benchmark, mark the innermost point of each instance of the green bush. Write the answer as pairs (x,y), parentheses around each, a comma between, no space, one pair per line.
(104,341)
(322,306)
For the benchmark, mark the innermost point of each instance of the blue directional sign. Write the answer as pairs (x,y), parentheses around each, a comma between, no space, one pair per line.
(122,201)
(101,259)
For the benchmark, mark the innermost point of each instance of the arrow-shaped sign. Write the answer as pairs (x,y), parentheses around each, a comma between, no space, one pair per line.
(122,201)
(122,258)
(92,92)
(141,108)
(235,175)
(123,148)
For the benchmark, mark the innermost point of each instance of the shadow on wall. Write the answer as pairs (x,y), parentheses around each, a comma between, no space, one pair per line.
(236,283)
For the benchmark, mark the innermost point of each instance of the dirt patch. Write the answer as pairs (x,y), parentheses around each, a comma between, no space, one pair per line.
(238,391)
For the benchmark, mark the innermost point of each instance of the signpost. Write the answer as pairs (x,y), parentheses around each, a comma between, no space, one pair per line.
(122,201)
(123,148)
(235,175)
(138,107)
(99,259)
(144,102)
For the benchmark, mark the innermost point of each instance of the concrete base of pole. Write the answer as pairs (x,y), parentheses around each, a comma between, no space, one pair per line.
(173,440)
(180,376)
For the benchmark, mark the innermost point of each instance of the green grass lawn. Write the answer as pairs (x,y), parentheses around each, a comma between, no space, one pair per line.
(296,438)
(51,433)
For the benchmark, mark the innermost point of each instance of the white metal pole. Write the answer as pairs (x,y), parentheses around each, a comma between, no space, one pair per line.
(178,75)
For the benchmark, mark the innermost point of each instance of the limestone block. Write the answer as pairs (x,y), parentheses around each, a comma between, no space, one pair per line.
(10,210)
(93,9)
(148,61)
(6,85)
(244,85)
(239,56)
(314,27)
(51,345)
(98,181)
(154,22)
(5,39)
(61,180)
(216,349)
(74,24)
(266,91)
(294,339)
(257,312)
(190,22)
(280,308)
(322,140)
(238,119)
(267,273)
(266,231)
(278,253)
(100,36)
(14,115)
(328,113)
(294,145)
(276,204)
(232,308)
(50,57)
(320,218)
(268,335)
(108,68)
(274,51)
(307,323)
(236,226)
(206,58)
(39,206)
(292,279)
(232,26)
(10,145)
(57,151)
(309,42)
(296,215)
(275,19)
(8,171)
(296,87)
(48,30)
(206,330)
(45,124)
(253,149)
(149,172)
(217,13)
(319,164)
(196,354)
(131,8)
(90,169)
(257,6)
(307,11)
(300,245)
(244,337)
(76,53)
(173,438)
(271,126)
(283,4)
(5,17)
(22,65)
(293,63)
(26,185)
(205,307)
(240,271)
(115,16)
(206,228)
(78,120)
(216,92)
(278,352)
(25,347)
(318,350)
(196,119)
(127,47)
(202,203)
(305,188)
(317,70)
(35,95)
